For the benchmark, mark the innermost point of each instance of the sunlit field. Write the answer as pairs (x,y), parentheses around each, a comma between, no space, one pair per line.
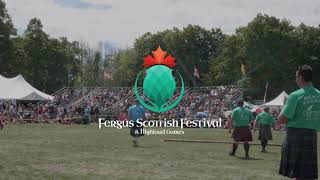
(50,151)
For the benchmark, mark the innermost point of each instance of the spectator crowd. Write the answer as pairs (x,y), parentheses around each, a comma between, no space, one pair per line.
(72,105)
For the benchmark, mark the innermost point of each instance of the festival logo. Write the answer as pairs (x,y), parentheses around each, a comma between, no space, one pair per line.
(159,84)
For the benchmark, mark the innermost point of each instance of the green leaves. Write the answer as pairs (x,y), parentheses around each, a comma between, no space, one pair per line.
(191,46)
(270,49)
(6,43)
(42,60)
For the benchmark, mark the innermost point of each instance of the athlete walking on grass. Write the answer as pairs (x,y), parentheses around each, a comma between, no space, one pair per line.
(240,120)
(265,121)
(136,113)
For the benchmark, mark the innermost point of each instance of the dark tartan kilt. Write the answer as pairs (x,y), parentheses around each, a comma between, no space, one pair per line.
(299,154)
(136,131)
(265,132)
(241,134)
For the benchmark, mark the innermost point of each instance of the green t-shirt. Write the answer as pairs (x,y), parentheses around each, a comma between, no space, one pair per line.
(303,108)
(265,118)
(241,117)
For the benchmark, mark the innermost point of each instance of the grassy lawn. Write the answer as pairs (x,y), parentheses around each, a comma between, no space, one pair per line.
(43,151)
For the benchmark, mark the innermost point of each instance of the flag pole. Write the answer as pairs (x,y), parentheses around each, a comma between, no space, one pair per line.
(265,93)
(194,79)
(244,77)
(194,83)
(68,78)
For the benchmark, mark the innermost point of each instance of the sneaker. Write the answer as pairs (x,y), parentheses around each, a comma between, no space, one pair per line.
(247,157)
(232,153)
(263,150)
(135,143)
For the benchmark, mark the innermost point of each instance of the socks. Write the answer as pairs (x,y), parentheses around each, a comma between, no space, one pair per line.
(246,148)
(234,148)
(135,141)
(264,144)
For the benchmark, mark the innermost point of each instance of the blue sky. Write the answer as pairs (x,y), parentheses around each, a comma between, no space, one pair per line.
(121,21)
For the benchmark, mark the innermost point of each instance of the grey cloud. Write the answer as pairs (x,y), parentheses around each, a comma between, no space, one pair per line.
(128,19)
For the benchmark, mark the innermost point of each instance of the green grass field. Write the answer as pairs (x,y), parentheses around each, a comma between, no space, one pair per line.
(50,151)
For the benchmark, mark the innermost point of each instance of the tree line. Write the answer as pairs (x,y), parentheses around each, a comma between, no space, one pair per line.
(266,50)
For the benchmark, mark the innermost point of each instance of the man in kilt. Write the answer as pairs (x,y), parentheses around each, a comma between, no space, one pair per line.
(265,121)
(301,114)
(240,120)
(136,113)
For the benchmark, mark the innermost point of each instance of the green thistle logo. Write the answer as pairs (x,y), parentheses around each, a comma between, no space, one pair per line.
(159,84)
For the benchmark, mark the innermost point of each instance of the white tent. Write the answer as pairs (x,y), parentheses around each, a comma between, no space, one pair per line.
(227,114)
(18,88)
(249,105)
(278,101)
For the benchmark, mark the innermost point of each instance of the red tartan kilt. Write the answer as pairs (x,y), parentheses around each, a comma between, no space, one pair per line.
(242,134)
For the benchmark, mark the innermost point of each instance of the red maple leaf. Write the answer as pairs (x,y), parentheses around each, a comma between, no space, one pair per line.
(149,61)
(159,58)
(170,61)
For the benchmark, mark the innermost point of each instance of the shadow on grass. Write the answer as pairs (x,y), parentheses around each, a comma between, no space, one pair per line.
(270,152)
(251,158)
(143,147)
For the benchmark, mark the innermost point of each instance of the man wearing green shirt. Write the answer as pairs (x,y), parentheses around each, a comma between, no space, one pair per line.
(265,120)
(240,120)
(301,114)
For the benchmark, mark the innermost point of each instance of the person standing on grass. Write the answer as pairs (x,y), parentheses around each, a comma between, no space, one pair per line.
(87,114)
(136,113)
(240,120)
(1,120)
(301,114)
(265,121)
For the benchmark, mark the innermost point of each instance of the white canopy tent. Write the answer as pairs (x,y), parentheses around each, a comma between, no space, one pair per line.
(278,101)
(249,105)
(18,88)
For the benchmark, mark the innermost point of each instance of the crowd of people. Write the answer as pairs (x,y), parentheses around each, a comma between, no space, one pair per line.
(299,116)
(72,104)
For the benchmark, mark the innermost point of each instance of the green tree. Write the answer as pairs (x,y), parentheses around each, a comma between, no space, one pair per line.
(6,44)
(193,46)
(307,49)
(125,70)
(36,46)
(62,63)
(269,45)
(266,47)
(226,68)
(19,58)
(97,69)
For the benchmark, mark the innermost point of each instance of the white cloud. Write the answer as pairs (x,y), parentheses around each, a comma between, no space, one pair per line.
(128,19)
